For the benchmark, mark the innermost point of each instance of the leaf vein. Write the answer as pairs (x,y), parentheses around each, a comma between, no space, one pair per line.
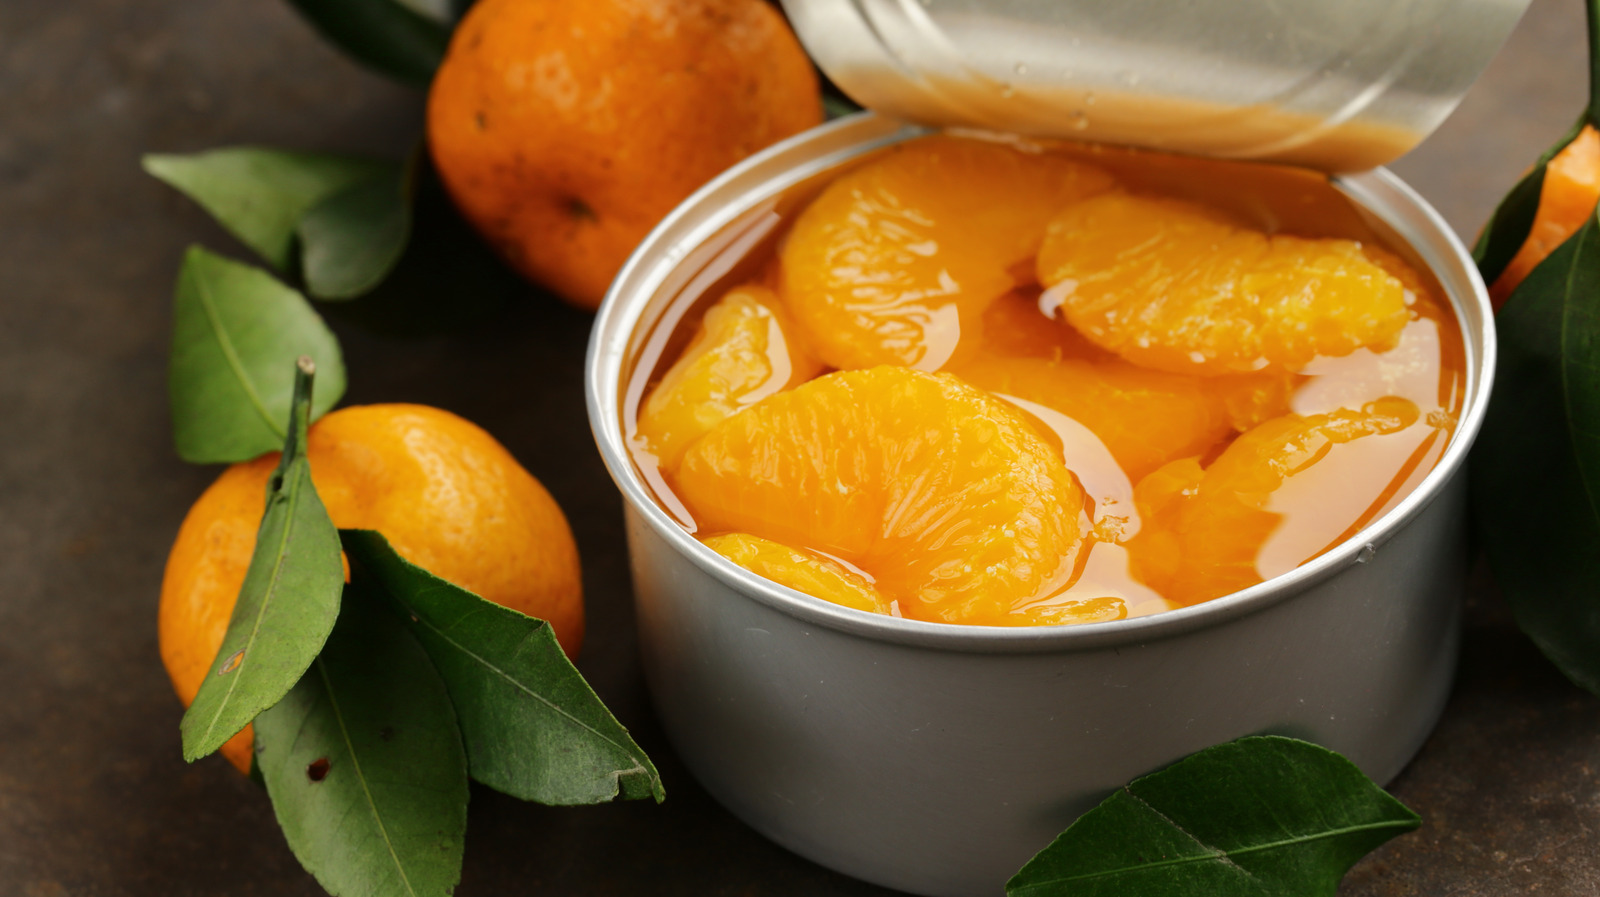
(344,733)
(246,656)
(529,692)
(214,318)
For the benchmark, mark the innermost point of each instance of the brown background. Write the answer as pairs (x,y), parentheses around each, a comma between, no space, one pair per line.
(94,799)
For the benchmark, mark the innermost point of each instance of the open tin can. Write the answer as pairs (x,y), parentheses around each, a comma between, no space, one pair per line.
(938,758)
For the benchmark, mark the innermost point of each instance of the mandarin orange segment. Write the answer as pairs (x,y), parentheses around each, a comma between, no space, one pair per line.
(1016,326)
(743,352)
(1566,199)
(803,571)
(1253,399)
(893,259)
(1174,286)
(1207,536)
(955,506)
(1145,418)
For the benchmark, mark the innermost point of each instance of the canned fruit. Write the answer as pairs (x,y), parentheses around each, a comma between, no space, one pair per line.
(890,262)
(803,571)
(743,352)
(1566,198)
(566,131)
(1207,531)
(1144,418)
(1070,461)
(955,506)
(1177,287)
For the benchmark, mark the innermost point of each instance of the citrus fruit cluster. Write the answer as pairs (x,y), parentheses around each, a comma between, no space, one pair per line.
(991,384)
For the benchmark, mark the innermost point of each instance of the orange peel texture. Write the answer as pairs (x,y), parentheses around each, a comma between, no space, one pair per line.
(565,131)
(446,495)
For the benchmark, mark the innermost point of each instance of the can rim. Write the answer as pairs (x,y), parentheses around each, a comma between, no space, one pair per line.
(786,164)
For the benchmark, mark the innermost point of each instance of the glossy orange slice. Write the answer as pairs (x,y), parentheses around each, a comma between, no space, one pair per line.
(1178,287)
(893,259)
(743,352)
(1277,497)
(953,504)
(803,571)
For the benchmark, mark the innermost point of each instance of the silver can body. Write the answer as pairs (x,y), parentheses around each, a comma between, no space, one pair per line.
(1337,86)
(937,759)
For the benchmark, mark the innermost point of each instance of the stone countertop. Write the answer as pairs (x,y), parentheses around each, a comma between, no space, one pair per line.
(94,797)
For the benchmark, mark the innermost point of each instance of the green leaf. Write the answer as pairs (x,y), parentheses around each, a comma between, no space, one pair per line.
(446,280)
(260,194)
(1509,226)
(364,763)
(1535,469)
(1259,817)
(236,335)
(352,239)
(288,602)
(385,35)
(1592,7)
(533,727)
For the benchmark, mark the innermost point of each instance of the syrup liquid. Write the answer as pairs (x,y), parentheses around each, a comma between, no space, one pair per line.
(1353,482)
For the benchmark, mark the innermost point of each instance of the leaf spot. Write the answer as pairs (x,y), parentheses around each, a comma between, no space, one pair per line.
(318,769)
(232,663)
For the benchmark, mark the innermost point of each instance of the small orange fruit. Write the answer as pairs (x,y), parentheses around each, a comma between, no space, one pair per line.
(564,131)
(743,352)
(1179,287)
(894,259)
(951,502)
(1566,199)
(447,496)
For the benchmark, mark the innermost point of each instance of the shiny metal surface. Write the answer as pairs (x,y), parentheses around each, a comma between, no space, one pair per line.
(935,758)
(1339,85)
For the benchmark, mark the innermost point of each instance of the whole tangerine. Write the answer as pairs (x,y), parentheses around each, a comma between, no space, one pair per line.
(446,495)
(566,131)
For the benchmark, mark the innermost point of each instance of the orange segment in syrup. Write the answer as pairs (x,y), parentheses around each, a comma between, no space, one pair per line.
(1145,418)
(889,263)
(1206,534)
(743,352)
(1174,286)
(802,571)
(951,502)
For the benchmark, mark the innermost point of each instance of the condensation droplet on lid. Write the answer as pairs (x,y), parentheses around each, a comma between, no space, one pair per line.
(1366,554)
(1088,99)
(232,663)
(1020,68)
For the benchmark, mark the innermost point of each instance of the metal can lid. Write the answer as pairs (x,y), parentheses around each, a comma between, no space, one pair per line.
(1336,85)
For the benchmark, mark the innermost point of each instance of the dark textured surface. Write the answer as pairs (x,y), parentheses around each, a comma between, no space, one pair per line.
(94,799)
